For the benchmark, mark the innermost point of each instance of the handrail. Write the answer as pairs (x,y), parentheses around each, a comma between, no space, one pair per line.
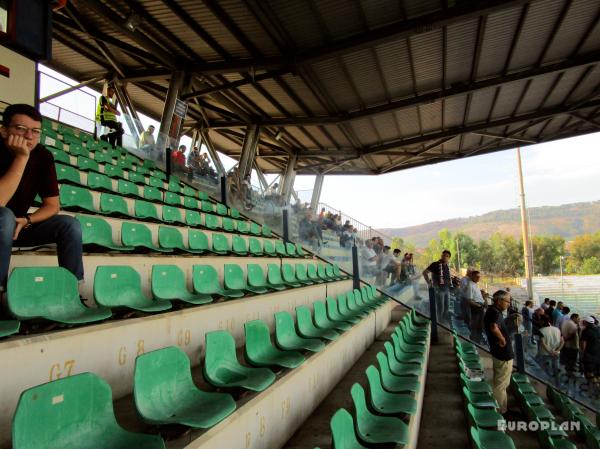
(356,223)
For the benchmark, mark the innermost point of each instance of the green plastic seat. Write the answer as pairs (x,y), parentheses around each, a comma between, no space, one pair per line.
(113,205)
(300,250)
(288,275)
(393,383)
(287,338)
(353,306)
(243,226)
(234,279)
(405,357)
(97,234)
(9,327)
(76,198)
(149,164)
(158,183)
(491,439)
(484,417)
(136,178)
(321,272)
(374,429)
(208,207)
(145,210)
(312,273)
(307,329)
(290,249)
(549,442)
(387,403)
(323,322)
(158,173)
(474,385)
(60,155)
(51,293)
(139,236)
(211,221)
(203,196)
(333,312)
(206,282)
(342,431)
(228,224)
(412,348)
(165,392)
(255,247)
(168,284)
(102,158)
(74,412)
(348,315)
(255,228)
(220,244)
(152,194)
(256,279)
(189,191)
(171,214)
(98,181)
(280,248)
(400,367)
(269,248)
(222,368)
(302,274)
(197,241)
(233,212)
(480,400)
(274,279)
(266,231)
(193,218)
(190,203)
(172,198)
(329,272)
(238,245)
(125,164)
(128,188)
(121,286)
(174,185)
(221,209)
(260,351)
(113,171)
(86,164)
(171,238)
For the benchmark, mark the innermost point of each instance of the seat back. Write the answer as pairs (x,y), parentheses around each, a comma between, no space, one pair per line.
(116,285)
(207,206)
(242,226)
(95,230)
(211,221)
(220,242)
(288,273)
(190,203)
(127,188)
(85,163)
(168,281)
(98,181)
(155,182)
(197,240)
(342,431)
(193,218)
(268,247)
(228,224)
(254,246)
(233,277)
(41,291)
(254,228)
(71,196)
(152,193)
(113,171)
(285,328)
(266,231)
(280,248)
(320,313)
(304,318)
(205,279)
(220,351)
(256,276)
(170,238)
(145,209)
(113,204)
(258,338)
(290,249)
(221,209)
(274,274)
(172,198)
(171,214)
(135,234)
(312,272)
(239,244)
(301,272)
(136,178)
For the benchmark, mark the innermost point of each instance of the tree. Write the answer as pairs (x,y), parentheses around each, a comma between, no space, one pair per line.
(585,246)
(546,253)
(397,243)
(591,265)
(468,250)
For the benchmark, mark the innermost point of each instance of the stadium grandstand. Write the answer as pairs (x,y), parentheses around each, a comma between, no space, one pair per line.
(211,314)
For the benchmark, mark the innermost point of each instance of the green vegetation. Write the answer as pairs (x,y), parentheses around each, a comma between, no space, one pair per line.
(503,254)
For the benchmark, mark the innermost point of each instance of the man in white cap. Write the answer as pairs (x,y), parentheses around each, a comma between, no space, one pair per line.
(589,343)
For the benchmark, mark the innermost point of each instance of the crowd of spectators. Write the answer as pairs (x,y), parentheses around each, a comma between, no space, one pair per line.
(195,164)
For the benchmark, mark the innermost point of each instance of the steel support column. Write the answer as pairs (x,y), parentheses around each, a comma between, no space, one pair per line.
(213,153)
(316,194)
(175,87)
(287,183)
(261,177)
(248,151)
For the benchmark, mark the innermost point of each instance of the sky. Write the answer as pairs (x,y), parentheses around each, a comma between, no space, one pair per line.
(560,172)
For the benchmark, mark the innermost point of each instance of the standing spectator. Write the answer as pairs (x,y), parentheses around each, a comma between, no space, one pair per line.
(557,314)
(476,305)
(570,332)
(178,159)
(589,343)
(550,345)
(564,315)
(26,170)
(536,323)
(106,114)
(550,311)
(545,304)
(147,140)
(386,265)
(463,308)
(500,347)
(368,259)
(527,314)
(440,272)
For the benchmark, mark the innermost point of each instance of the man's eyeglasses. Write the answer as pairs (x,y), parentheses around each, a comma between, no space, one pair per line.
(21,129)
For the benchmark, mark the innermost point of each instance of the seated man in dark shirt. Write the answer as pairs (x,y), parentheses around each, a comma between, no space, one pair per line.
(26,170)
(500,347)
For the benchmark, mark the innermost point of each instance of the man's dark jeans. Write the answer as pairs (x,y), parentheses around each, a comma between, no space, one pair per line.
(63,230)
(116,136)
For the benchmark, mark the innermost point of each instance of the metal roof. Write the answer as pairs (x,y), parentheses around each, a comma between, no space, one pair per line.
(351,86)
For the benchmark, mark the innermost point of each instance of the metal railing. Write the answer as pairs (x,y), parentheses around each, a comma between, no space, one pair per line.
(364,231)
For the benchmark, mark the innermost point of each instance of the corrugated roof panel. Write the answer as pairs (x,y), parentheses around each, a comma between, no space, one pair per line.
(72,62)
(431,116)
(256,97)
(460,45)
(415,8)
(362,69)
(222,143)
(396,68)
(454,111)
(535,33)
(587,86)
(500,29)
(364,131)
(408,120)
(298,21)
(149,103)
(538,91)
(555,125)
(507,99)
(566,83)
(386,125)
(342,18)
(381,12)
(301,137)
(427,57)
(481,102)
(469,142)
(592,42)
(320,136)
(580,15)
(283,98)
(332,77)
(297,84)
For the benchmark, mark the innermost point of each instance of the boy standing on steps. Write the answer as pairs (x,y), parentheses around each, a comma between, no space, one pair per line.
(500,347)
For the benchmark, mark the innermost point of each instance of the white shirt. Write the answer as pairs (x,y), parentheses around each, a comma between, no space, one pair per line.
(146,139)
(473,293)
(385,260)
(368,253)
(551,336)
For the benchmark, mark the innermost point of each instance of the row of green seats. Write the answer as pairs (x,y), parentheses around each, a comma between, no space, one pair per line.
(52,293)
(130,183)
(392,390)
(77,411)
(588,431)
(480,406)
(80,199)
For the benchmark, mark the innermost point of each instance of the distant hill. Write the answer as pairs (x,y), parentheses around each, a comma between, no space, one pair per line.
(567,220)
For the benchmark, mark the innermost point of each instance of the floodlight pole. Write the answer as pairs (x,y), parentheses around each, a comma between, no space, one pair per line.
(525,231)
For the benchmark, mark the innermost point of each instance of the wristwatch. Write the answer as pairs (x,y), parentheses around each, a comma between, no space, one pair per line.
(28,218)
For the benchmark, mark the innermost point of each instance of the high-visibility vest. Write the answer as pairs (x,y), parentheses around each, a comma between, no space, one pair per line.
(102,114)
